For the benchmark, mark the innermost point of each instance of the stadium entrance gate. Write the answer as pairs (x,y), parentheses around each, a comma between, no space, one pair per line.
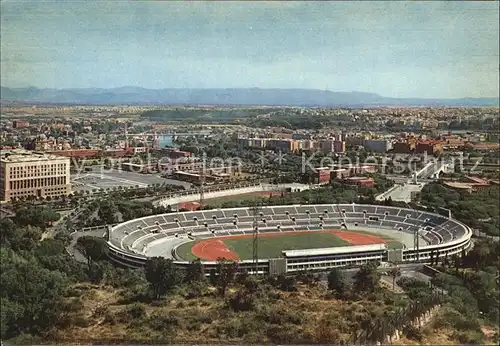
(277,266)
(395,255)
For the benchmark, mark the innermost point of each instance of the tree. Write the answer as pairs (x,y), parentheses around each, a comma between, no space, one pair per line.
(19,238)
(92,248)
(445,260)
(40,216)
(367,278)
(195,271)
(213,277)
(7,231)
(395,272)
(226,273)
(308,278)
(463,253)
(31,296)
(107,211)
(286,283)
(337,282)
(481,255)
(456,261)
(162,275)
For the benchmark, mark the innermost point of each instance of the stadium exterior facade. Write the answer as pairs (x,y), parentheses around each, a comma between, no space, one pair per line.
(132,242)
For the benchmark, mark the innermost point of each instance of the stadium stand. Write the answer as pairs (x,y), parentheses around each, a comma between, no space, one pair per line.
(131,243)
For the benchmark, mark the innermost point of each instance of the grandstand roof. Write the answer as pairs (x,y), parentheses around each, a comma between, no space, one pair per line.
(334,250)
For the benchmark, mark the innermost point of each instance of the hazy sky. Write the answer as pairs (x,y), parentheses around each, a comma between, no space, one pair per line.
(400,49)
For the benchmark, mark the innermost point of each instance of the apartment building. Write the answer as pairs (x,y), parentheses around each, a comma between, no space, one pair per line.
(25,173)
(332,146)
(18,124)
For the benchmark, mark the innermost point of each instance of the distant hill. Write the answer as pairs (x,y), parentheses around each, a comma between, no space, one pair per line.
(250,96)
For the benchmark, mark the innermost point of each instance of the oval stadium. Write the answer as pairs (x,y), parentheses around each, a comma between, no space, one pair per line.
(290,238)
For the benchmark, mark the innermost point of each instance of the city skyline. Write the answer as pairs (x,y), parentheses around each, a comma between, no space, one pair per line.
(404,49)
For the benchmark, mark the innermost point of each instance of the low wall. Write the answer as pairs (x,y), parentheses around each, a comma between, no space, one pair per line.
(195,196)
(429,271)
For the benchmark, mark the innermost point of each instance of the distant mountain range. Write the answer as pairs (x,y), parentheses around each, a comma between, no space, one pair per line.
(244,97)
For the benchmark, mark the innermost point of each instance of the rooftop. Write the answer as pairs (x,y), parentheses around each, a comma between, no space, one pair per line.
(21,155)
(459,185)
(187,173)
(359,178)
(334,250)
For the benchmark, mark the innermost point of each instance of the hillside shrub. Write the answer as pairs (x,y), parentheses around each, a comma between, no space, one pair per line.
(136,311)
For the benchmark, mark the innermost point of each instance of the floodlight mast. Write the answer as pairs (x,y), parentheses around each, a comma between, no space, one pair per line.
(416,243)
(337,201)
(256,213)
(256,210)
(202,184)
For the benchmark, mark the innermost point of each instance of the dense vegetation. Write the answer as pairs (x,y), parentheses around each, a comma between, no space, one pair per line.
(112,210)
(197,116)
(253,117)
(296,121)
(35,277)
(45,297)
(480,210)
(473,294)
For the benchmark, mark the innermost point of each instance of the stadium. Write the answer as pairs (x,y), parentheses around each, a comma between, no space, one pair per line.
(291,238)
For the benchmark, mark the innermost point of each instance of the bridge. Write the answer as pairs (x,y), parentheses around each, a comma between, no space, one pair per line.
(172,133)
(401,192)
(155,135)
(405,192)
(432,170)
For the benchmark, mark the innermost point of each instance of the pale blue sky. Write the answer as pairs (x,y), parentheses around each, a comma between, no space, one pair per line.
(400,49)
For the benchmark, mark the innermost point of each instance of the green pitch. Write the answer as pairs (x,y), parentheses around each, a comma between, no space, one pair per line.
(272,246)
(183,251)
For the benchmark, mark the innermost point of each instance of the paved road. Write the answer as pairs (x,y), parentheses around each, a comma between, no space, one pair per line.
(71,249)
(402,193)
(60,225)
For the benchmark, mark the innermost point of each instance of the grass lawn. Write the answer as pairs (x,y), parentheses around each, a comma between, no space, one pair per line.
(183,251)
(271,247)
